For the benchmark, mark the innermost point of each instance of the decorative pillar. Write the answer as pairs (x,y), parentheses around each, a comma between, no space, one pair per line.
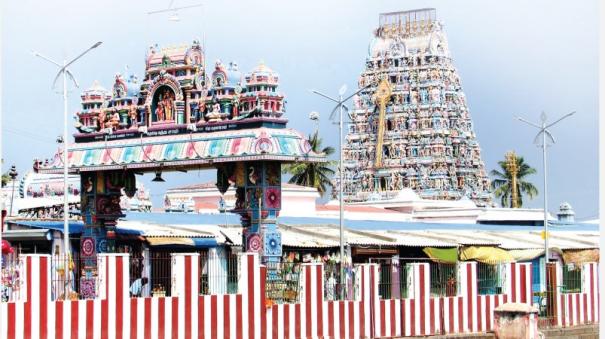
(179,117)
(258,202)
(100,205)
(187,107)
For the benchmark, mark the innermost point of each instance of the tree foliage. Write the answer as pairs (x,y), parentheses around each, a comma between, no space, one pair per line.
(313,174)
(502,182)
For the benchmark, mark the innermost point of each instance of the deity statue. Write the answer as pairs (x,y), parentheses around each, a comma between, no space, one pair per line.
(424,96)
(114,122)
(168,104)
(159,111)
(215,115)
(101,120)
(133,116)
(436,95)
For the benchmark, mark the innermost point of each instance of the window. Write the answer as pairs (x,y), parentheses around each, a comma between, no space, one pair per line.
(489,279)
(572,279)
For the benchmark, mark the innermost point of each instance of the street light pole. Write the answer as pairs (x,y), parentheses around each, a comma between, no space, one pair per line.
(65,166)
(13,175)
(543,134)
(341,107)
(65,72)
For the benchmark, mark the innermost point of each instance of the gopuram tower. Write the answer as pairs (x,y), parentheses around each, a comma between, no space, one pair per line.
(411,126)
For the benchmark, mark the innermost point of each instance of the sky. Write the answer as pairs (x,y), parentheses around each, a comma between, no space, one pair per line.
(514,57)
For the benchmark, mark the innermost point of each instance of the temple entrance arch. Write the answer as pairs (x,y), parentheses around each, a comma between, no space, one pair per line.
(246,151)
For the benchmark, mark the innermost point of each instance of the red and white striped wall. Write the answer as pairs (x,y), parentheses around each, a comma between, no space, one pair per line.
(574,309)
(315,317)
(247,315)
(468,312)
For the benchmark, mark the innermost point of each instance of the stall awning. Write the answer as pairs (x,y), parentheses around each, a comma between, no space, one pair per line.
(442,255)
(27,235)
(181,242)
(579,257)
(486,254)
(526,255)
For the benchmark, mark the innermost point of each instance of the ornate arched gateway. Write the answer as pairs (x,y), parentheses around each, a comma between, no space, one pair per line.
(177,119)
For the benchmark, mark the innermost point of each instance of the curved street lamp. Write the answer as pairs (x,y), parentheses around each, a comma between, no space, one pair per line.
(65,72)
(542,139)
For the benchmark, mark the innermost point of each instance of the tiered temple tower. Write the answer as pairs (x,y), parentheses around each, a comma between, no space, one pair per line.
(411,126)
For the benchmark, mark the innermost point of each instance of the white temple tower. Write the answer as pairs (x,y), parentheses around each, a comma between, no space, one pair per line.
(411,126)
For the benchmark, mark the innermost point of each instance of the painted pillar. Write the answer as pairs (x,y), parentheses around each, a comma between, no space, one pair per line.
(518,283)
(185,286)
(467,289)
(187,107)
(100,204)
(253,294)
(114,292)
(258,202)
(590,287)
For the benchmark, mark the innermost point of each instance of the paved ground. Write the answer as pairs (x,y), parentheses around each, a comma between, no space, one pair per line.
(578,332)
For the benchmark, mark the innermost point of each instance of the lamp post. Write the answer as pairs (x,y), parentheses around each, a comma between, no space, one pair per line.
(340,106)
(13,174)
(314,116)
(65,72)
(545,136)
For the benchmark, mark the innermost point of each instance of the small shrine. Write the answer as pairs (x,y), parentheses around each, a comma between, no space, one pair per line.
(181,116)
(411,126)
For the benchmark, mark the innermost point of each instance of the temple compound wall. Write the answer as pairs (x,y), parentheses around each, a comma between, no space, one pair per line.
(250,314)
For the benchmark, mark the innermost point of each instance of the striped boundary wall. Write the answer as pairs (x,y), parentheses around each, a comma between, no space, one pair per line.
(574,309)
(186,314)
(468,312)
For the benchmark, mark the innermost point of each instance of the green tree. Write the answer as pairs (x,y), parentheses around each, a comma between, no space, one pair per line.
(5,179)
(313,174)
(513,170)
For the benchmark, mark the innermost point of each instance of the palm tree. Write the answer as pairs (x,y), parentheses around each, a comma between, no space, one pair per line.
(509,184)
(313,174)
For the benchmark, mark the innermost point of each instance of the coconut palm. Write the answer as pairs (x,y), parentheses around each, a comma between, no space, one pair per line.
(313,174)
(513,170)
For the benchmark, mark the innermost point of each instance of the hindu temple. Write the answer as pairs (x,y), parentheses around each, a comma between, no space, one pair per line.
(410,124)
(180,116)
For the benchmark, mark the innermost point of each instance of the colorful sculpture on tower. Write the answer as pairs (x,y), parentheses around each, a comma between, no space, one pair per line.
(181,117)
(411,126)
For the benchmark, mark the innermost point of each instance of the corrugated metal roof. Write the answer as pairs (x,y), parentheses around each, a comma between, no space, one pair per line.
(324,232)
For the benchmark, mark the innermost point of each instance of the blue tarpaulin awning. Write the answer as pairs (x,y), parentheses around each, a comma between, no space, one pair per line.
(75,227)
(184,242)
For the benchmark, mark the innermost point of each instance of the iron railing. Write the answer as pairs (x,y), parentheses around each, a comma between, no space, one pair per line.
(73,277)
(334,288)
(490,278)
(444,279)
(218,273)
(396,276)
(393,279)
(572,278)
